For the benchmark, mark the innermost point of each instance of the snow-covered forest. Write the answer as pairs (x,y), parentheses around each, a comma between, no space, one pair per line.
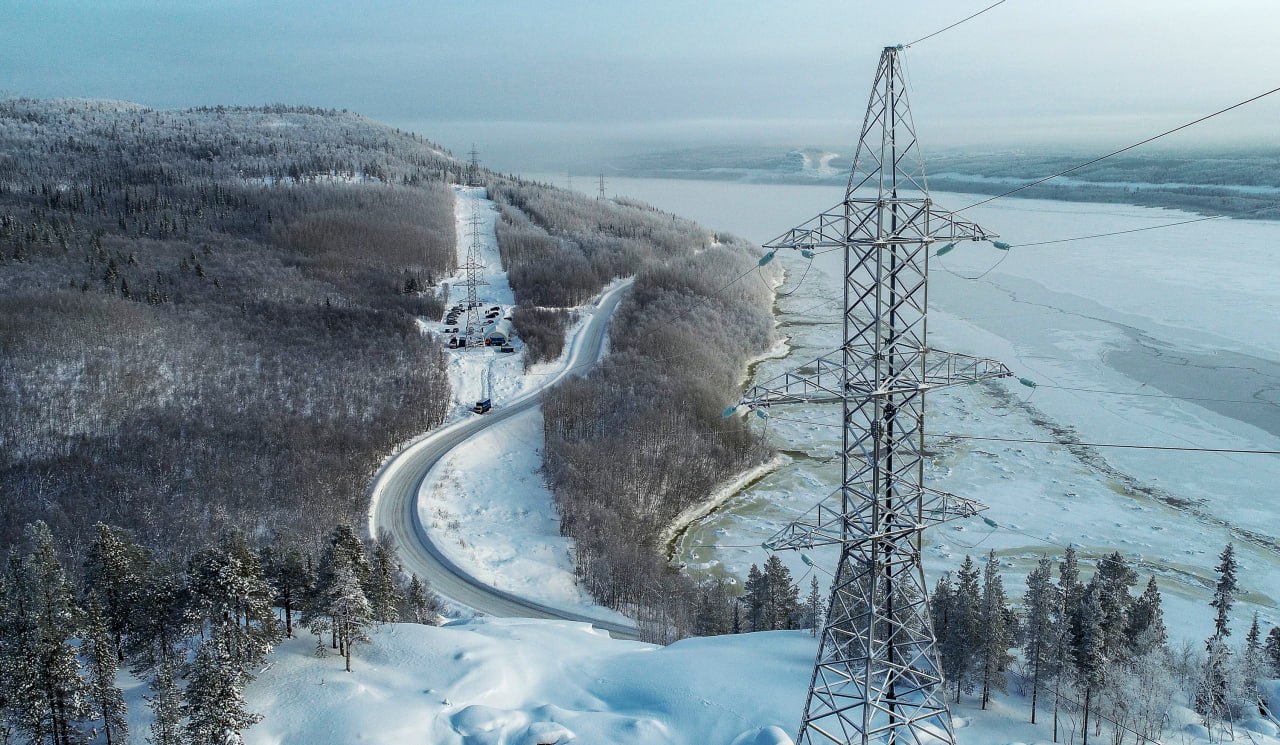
(204,322)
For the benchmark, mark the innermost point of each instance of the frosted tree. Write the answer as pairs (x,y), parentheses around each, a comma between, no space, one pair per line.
(940,601)
(1146,620)
(1089,651)
(115,568)
(959,645)
(1038,640)
(1214,688)
(815,606)
(1253,665)
(1147,686)
(1113,578)
(47,631)
(421,602)
(1224,593)
(291,577)
(232,593)
(348,610)
(102,661)
(1271,650)
(756,598)
(215,707)
(384,597)
(166,704)
(782,597)
(994,635)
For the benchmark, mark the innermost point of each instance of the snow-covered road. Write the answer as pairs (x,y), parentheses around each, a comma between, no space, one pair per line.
(394,495)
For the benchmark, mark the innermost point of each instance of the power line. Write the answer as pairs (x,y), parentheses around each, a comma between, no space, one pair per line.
(1149,227)
(1123,149)
(1127,446)
(957,23)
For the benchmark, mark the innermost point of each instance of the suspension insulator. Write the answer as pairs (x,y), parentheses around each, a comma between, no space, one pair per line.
(1001,245)
(946,249)
(767,257)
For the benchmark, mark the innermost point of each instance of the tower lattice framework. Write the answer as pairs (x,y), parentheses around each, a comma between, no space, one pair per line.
(473,330)
(877,678)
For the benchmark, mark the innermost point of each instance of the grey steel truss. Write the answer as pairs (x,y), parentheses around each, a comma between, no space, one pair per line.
(877,678)
(473,331)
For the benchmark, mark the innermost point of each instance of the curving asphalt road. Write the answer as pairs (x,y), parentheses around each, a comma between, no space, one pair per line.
(394,493)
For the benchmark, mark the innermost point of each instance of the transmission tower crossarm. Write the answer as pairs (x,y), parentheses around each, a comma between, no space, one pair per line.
(824,526)
(853,222)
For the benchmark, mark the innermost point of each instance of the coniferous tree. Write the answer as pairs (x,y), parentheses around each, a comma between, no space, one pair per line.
(232,592)
(940,612)
(756,599)
(994,635)
(348,611)
(381,588)
(291,576)
(166,703)
(115,569)
(215,707)
(1224,593)
(1038,643)
(1212,693)
(1254,664)
(55,622)
(1070,593)
(1146,620)
(102,665)
(814,605)
(712,614)
(422,605)
(1272,650)
(1113,578)
(1089,651)
(959,646)
(782,597)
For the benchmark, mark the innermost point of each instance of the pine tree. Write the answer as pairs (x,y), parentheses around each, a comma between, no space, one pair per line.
(215,706)
(1146,620)
(349,611)
(381,588)
(814,605)
(712,614)
(1272,650)
(1211,696)
(782,597)
(1070,592)
(756,599)
(959,645)
(1224,593)
(1254,664)
(1089,651)
(115,569)
(292,579)
(940,602)
(1114,578)
(50,639)
(994,635)
(166,704)
(1038,644)
(422,604)
(102,662)
(233,593)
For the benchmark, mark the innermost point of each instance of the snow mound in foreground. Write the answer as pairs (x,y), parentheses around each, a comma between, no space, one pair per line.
(524,682)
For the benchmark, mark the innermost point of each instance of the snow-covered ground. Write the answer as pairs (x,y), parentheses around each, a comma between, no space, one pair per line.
(526,682)
(485,505)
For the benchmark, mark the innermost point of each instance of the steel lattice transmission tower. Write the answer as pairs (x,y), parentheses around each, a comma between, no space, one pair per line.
(877,677)
(473,168)
(473,331)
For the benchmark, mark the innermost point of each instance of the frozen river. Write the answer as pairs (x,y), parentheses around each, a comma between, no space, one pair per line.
(1167,337)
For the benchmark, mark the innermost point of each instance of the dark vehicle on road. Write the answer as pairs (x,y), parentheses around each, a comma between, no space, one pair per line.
(482,406)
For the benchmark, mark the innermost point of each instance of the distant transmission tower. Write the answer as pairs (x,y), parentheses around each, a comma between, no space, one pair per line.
(473,168)
(473,331)
(877,678)
(601,195)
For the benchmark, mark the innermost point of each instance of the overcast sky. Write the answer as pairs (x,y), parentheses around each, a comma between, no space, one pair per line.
(526,81)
